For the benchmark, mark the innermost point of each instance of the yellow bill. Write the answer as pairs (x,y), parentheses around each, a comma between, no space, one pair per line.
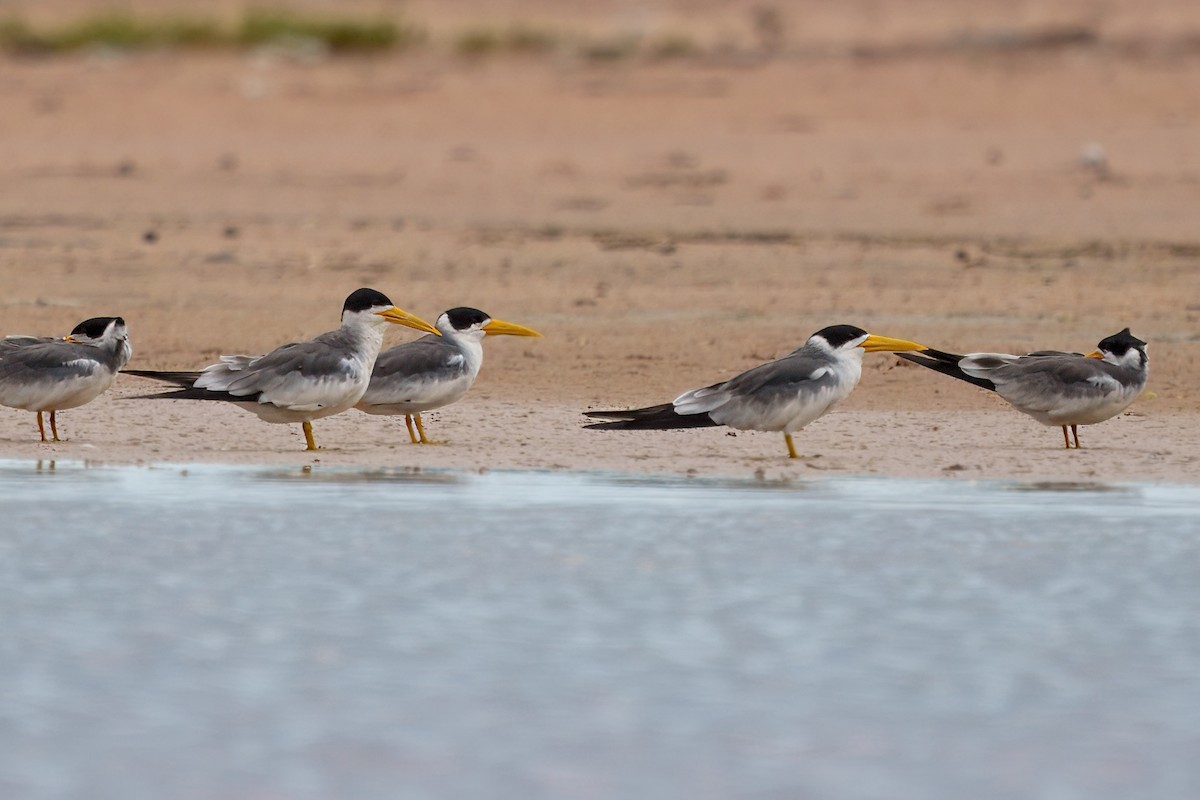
(402,317)
(875,344)
(499,327)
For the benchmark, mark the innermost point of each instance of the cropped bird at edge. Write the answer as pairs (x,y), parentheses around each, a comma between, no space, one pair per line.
(302,381)
(782,395)
(433,371)
(1053,387)
(45,374)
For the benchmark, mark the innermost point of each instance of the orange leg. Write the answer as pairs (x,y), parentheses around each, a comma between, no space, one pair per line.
(421,431)
(54,426)
(787,437)
(412,433)
(1066,439)
(310,442)
(41,426)
(1074,432)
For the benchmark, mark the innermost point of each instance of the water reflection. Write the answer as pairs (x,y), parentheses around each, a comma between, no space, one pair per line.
(399,475)
(1068,486)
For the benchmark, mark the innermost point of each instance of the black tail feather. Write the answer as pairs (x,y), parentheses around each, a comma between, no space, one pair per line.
(942,355)
(652,418)
(181,379)
(197,394)
(186,390)
(947,364)
(631,413)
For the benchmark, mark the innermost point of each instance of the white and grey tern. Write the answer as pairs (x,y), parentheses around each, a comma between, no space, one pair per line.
(1054,387)
(43,374)
(782,395)
(302,381)
(433,371)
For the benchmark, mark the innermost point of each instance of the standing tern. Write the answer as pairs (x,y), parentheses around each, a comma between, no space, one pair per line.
(45,374)
(1056,388)
(302,381)
(782,395)
(433,371)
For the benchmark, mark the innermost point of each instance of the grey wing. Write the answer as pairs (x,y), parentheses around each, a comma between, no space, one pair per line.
(768,385)
(789,376)
(17,341)
(982,365)
(299,376)
(415,372)
(50,359)
(45,374)
(1042,383)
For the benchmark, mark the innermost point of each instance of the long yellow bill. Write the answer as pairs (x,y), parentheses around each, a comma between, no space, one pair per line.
(875,344)
(499,327)
(402,317)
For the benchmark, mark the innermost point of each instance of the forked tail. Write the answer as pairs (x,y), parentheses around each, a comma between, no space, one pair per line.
(652,418)
(186,390)
(181,379)
(947,364)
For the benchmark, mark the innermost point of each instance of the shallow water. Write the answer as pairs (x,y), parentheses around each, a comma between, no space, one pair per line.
(278,633)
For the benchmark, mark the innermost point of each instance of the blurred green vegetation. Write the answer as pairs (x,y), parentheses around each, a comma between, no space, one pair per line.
(477,42)
(337,34)
(340,35)
(126,32)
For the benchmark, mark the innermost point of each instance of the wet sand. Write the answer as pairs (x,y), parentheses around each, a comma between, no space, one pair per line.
(663,224)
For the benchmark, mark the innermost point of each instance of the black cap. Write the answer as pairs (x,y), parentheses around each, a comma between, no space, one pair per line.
(1121,343)
(95,327)
(839,335)
(363,299)
(462,318)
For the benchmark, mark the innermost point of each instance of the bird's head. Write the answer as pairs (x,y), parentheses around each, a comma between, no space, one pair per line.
(372,308)
(846,338)
(98,330)
(107,333)
(1123,349)
(475,324)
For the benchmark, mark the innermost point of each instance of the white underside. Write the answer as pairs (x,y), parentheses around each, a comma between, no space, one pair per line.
(57,395)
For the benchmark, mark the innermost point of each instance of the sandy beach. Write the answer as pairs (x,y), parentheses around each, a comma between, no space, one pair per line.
(664,224)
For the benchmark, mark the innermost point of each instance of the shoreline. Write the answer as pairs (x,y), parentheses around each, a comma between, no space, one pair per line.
(14,467)
(483,434)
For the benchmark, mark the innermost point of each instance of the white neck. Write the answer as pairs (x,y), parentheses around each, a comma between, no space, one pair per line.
(368,328)
(470,344)
(1131,360)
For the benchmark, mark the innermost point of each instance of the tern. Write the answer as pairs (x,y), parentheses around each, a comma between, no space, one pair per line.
(1055,388)
(782,395)
(302,381)
(45,374)
(433,371)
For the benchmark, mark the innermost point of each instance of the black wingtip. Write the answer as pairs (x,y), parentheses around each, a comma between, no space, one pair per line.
(607,414)
(664,410)
(676,422)
(942,355)
(178,394)
(651,418)
(947,364)
(182,379)
(614,425)
(190,393)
